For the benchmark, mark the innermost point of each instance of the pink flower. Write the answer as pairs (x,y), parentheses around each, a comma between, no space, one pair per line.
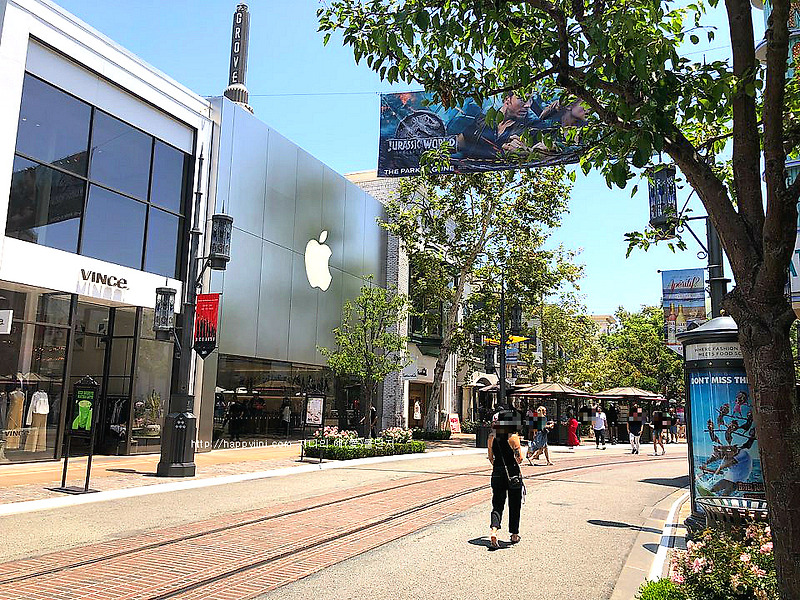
(745,558)
(736,582)
(757,572)
(698,564)
(766,548)
(768,531)
(676,578)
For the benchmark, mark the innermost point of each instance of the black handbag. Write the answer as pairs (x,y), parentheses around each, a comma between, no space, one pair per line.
(514,481)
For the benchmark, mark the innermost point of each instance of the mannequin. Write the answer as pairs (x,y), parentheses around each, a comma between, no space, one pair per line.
(36,419)
(16,400)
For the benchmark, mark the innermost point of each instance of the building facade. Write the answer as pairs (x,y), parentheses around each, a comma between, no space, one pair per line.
(98,167)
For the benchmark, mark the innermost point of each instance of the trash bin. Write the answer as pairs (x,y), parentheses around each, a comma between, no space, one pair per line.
(727,512)
(482,436)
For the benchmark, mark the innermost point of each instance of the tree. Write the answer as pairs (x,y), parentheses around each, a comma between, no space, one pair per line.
(451,226)
(367,344)
(622,59)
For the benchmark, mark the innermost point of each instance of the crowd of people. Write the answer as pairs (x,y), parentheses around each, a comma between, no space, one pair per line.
(506,454)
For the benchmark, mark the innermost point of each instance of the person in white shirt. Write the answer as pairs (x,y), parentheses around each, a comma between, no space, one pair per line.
(599,423)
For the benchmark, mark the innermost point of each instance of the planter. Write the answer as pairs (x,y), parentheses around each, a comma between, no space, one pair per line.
(482,436)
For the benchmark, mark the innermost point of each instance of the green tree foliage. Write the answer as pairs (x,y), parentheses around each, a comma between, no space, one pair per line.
(623,61)
(458,228)
(368,346)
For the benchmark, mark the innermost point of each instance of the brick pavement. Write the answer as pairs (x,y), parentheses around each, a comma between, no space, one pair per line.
(246,554)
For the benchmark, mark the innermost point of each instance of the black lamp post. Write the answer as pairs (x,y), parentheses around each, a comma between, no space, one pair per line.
(180,424)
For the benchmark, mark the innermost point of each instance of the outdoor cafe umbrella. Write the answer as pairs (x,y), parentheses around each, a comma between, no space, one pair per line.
(631,394)
(563,395)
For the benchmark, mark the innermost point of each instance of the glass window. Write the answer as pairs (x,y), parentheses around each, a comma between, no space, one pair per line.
(163,231)
(53,126)
(120,156)
(169,176)
(113,228)
(45,206)
(151,390)
(124,321)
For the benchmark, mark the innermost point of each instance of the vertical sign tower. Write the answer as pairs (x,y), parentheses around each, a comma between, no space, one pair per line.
(240,39)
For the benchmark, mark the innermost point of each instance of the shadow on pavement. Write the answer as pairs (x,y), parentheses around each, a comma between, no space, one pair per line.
(619,525)
(650,547)
(133,472)
(484,541)
(676,482)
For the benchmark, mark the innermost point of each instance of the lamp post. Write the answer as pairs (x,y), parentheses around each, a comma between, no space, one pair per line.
(180,424)
(663,216)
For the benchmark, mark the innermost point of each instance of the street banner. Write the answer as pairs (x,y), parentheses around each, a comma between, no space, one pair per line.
(205,324)
(724,447)
(684,302)
(411,124)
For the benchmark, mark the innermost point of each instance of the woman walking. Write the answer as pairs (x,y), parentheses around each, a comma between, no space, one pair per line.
(543,427)
(505,454)
(572,432)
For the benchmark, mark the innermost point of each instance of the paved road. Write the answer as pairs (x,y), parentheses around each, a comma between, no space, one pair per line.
(386,530)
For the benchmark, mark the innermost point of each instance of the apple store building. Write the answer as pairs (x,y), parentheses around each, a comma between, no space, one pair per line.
(304,240)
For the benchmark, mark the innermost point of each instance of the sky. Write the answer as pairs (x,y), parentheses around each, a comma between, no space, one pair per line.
(320,99)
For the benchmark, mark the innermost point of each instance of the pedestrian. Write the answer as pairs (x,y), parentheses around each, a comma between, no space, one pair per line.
(657,425)
(599,424)
(672,438)
(530,417)
(286,416)
(572,431)
(635,428)
(543,427)
(505,454)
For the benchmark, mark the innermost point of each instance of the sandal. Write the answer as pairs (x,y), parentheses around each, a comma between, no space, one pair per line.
(493,540)
(515,538)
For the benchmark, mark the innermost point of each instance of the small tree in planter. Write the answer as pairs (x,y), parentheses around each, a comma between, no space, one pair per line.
(368,346)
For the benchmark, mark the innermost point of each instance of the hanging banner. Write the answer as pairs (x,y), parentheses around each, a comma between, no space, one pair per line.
(411,124)
(205,324)
(725,457)
(684,302)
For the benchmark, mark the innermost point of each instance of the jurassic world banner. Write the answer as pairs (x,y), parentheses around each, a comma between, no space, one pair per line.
(411,125)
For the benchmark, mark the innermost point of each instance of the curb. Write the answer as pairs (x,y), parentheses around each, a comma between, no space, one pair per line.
(647,556)
(15,508)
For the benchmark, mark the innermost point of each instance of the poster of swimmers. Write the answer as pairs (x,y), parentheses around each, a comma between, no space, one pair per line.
(531,132)
(725,450)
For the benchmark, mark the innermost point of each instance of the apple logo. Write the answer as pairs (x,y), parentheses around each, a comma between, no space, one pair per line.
(317,256)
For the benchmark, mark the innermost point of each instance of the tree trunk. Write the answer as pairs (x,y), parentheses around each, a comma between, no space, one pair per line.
(764,329)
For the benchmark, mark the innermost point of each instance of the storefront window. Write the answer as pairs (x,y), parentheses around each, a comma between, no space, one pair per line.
(53,126)
(32,364)
(252,395)
(134,182)
(161,252)
(151,388)
(169,177)
(45,206)
(113,228)
(120,156)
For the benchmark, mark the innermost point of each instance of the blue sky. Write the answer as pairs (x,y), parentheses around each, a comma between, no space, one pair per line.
(320,99)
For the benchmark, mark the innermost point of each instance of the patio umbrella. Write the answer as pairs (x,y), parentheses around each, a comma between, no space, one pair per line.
(630,392)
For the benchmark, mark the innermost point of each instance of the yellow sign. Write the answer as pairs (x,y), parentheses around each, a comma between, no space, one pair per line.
(512,339)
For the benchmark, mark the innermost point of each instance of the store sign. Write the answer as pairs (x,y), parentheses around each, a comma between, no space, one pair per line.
(5,321)
(455,423)
(314,410)
(206,323)
(102,279)
(409,372)
(713,351)
(239,42)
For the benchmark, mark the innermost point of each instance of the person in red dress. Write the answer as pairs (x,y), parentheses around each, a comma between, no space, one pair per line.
(572,432)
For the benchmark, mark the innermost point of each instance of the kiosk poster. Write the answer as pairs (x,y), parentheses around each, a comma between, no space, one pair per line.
(411,124)
(724,447)
(314,410)
(684,302)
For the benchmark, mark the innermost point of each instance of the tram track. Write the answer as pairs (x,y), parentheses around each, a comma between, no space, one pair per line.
(351,531)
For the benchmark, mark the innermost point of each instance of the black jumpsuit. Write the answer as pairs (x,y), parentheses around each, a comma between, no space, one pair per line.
(504,455)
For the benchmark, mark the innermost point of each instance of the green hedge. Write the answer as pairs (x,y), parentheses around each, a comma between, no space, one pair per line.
(362,450)
(421,434)
(661,589)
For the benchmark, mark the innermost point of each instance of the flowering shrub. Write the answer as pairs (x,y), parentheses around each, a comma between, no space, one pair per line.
(721,567)
(360,448)
(396,435)
(333,433)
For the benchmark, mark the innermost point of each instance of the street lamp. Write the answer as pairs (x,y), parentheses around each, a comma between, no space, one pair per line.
(180,424)
(164,314)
